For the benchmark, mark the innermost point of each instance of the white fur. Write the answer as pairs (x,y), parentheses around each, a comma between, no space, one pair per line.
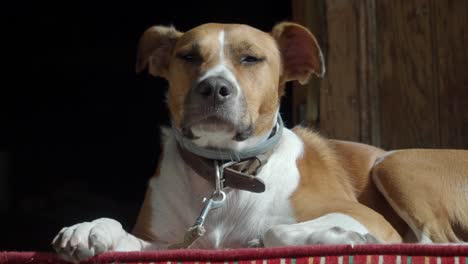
(222,70)
(178,192)
(321,230)
(176,199)
(382,158)
(424,239)
(84,240)
(223,139)
(221,46)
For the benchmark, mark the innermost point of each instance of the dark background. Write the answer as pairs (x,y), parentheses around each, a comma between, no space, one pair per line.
(81,136)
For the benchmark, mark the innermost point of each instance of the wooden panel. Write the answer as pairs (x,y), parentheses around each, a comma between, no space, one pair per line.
(451,22)
(346,30)
(305,98)
(368,92)
(407,92)
(339,98)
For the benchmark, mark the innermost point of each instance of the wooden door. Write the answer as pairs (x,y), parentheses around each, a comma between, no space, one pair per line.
(397,71)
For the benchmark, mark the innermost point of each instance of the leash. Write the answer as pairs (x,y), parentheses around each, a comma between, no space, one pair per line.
(216,200)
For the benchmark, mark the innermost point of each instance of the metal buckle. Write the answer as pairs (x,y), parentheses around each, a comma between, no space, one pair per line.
(219,179)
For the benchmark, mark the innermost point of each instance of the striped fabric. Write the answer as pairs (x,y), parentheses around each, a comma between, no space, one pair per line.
(342,254)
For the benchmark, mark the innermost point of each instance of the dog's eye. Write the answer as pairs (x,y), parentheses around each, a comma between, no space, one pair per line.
(251,59)
(189,57)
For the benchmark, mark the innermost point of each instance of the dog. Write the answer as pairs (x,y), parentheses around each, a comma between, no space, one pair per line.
(230,175)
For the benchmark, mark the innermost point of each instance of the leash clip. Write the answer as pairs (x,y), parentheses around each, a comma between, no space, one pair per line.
(218,197)
(216,200)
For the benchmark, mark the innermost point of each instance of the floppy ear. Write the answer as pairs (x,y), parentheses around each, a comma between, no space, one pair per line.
(300,52)
(155,49)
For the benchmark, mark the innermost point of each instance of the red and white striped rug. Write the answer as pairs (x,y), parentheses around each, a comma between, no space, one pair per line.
(342,254)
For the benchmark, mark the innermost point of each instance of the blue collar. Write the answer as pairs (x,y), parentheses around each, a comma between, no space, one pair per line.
(232,155)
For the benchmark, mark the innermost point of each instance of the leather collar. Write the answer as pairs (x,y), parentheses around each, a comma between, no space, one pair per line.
(241,175)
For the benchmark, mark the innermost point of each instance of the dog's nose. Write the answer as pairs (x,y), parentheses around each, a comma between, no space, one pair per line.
(216,88)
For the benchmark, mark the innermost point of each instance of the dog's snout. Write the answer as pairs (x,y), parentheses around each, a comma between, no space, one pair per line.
(216,88)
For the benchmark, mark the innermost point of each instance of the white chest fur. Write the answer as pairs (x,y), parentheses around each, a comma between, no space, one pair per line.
(178,192)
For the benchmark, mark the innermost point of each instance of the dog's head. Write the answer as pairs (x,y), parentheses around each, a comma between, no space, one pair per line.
(226,80)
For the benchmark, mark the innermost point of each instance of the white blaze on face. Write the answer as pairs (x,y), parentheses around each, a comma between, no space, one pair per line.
(221,46)
(211,135)
(221,69)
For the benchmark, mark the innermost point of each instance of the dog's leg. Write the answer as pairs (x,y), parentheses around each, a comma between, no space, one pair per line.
(429,190)
(335,222)
(334,228)
(84,240)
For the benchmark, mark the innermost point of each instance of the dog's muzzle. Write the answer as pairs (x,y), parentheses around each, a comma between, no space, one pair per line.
(215,104)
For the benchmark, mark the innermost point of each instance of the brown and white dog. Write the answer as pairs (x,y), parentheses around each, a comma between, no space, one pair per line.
(225,86)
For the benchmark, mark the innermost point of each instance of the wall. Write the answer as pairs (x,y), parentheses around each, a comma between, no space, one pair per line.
(396,71)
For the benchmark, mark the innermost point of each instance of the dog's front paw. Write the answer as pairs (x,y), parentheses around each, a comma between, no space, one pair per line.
(338,235)
(289,235)
(85,240)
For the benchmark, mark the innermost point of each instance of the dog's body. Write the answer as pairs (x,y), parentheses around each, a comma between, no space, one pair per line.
(225,84)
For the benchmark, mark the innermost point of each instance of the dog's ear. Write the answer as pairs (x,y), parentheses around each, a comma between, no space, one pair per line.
(155,49)
(300,52)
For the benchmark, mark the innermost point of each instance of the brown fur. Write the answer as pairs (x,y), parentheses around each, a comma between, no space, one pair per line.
(358,160)
(431,188)
(258,82)
(326,187)
(335,175)
(300,65)
(262,84)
